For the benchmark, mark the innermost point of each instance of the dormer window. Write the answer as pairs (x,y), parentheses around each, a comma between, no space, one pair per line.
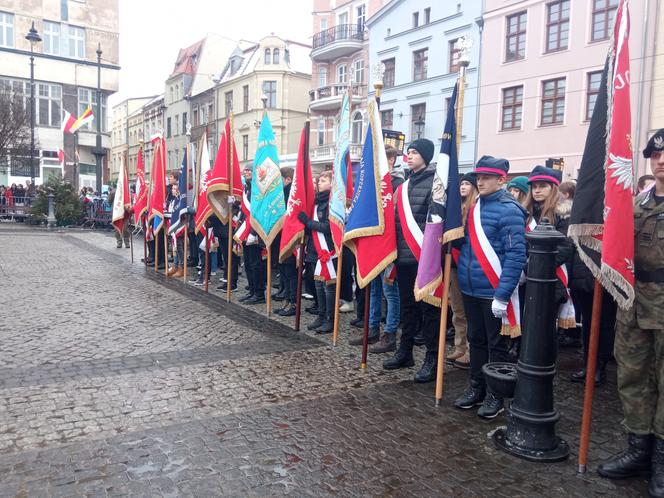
(268,54)
(275,56)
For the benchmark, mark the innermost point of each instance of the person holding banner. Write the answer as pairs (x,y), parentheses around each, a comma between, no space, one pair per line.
(639,346)
(320,253)
(493,256)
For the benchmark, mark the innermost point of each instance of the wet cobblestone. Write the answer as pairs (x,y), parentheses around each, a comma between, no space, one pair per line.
(231,403)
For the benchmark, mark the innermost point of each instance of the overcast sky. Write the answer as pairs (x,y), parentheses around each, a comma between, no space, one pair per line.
(152,32)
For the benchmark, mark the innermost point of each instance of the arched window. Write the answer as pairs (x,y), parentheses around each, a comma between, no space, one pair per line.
(275,56)
(357,127)
(267,56)
(341,73)
(322,76)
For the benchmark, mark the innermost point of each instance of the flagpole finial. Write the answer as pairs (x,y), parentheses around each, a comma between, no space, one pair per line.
(464,44)
(377,72)
(188,130)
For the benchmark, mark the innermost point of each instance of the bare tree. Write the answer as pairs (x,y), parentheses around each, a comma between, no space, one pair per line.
(15,129)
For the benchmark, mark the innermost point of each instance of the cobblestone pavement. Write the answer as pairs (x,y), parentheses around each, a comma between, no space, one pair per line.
(182,394)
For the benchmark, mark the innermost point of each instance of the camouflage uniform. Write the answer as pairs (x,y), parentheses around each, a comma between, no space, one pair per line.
(639,348)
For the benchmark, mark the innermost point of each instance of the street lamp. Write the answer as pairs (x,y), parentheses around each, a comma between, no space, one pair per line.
(419,126)
(33,37)
(98,151)
(264,99)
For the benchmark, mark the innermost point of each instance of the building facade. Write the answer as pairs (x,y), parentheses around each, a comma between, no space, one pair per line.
(541,66)
(65,79)
(657,99)
(273,74)
(418,42)
(124,133)
(340,62)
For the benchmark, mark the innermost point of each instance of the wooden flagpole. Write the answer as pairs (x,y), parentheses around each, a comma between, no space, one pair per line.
(163,229)
(268,295)
(207,257)
(145,242)
(591,367)
(229,258)
(131,239)
(128,215)
(185,255)
(365,339)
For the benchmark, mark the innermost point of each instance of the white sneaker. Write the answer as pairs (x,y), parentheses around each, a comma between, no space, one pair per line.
(347,307)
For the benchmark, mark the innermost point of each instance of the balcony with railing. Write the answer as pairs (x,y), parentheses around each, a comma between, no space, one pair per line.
(337,41)
(324,154)
(328,98)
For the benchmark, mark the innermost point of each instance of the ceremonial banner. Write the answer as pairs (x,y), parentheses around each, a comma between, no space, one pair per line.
(71,124)
(141,188)
(121,201)
(342,173)
(370,230)
(300,200)
(177,223)
(203,209)
(267,188)
(218,188)
(158,181)
(602,220)
(444,216)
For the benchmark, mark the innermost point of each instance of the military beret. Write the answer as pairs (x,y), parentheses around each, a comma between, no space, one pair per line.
(655,144)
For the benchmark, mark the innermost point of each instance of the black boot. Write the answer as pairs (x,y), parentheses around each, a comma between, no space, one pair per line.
(246,297)
(419,338)
(316,323)
(428,371)
(634,461)
(473,396)
(656,486)
(288,310)
(403,358)
(600,374)
(326,327)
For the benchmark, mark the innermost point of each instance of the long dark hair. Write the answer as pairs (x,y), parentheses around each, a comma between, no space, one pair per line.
(547,208)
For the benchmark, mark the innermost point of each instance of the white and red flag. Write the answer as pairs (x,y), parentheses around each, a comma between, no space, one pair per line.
(203,208)
(141,202)
(122,201)
(219,186)
(70,124)
(602,220)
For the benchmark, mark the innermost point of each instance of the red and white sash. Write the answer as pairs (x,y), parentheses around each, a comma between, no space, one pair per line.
(413,234)
(325,267)
(490,264)
(566,313)
(245,228)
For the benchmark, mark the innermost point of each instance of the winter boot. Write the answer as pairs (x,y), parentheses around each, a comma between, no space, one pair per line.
(491,407)
(428,371)
(403,358)
(656,486)
(326,327)
(387,343)
(316,323)
(473,396)
(358,339)
(634,461)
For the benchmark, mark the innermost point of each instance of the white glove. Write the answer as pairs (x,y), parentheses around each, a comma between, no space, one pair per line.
(498,308)
(252,239)
(231,199)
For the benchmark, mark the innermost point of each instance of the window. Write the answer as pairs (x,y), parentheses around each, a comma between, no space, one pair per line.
(553,101)
(184,123)
(361,17)
(557,25)
(51,38)
(356,128)
(420,63)
(195,111)
(322,76)
(204,115)
(48,104)
(177,124)
(228,100)
(267,56)
(388,77)
(245,147)
(358,71)
(603,13)
(427,15)
(270,90)
(6,30)
(455,52)
(341,73)
(209,112)
(594,80)
(245,98)
(168,130)
(172,95)
(321,131)
(76,42)
(387,119)
(88,97)
(515,48)
(323,24)
(416,19)
(512,108)
(275,56)
(418,113)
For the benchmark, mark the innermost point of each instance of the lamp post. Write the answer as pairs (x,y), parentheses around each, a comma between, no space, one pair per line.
(33,37)
(98,151)
(419,126)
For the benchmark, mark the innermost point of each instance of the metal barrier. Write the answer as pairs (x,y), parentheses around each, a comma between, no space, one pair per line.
(98,214)
(15,208)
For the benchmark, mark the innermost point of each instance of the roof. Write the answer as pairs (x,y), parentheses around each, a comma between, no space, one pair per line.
(187,59)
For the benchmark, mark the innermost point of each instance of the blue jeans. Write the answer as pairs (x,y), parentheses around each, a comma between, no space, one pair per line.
(391,292)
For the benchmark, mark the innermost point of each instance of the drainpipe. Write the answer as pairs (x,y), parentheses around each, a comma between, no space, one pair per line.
(642,85)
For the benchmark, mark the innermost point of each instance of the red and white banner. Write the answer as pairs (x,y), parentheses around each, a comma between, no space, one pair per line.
(243,231)
(325,266)
(121,202)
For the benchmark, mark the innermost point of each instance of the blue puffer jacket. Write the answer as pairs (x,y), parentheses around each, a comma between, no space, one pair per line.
(504,223)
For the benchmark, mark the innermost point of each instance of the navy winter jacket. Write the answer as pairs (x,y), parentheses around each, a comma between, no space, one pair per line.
(504,223)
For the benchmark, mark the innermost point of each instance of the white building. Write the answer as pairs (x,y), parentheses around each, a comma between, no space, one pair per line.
(416,40)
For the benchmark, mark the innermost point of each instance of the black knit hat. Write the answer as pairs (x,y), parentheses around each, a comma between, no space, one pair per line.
(655,144)
(425,148)
(470,178)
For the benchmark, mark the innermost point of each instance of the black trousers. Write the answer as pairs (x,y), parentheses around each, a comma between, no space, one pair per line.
(308,280)
(159,239)
(256,268)
(486,343)
(347,267)
(222,253)
(607,324)
(289,274)
(416,314)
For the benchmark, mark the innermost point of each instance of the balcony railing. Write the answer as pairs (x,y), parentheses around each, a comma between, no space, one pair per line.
(338,33)
(336,90)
